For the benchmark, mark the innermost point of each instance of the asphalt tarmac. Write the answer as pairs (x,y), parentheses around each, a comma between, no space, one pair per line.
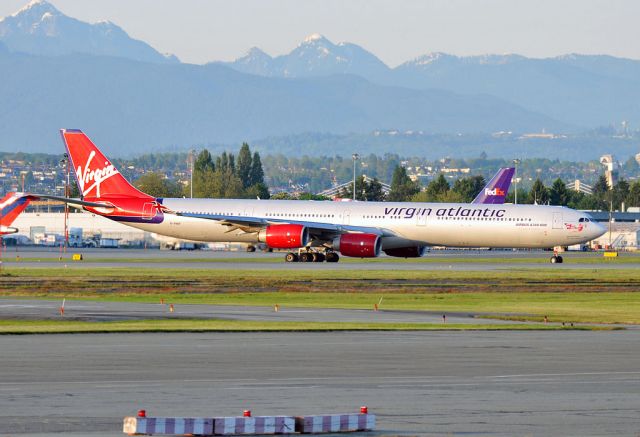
(567,383)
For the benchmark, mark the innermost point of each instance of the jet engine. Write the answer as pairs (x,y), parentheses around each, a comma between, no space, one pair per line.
(284,236)
(407,252)
(358,245)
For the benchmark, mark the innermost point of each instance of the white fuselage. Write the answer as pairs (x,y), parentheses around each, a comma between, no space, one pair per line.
(430,224)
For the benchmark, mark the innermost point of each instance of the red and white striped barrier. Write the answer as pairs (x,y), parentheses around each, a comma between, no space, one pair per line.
(248,425)
(336,423)
(167,425)
(254,425)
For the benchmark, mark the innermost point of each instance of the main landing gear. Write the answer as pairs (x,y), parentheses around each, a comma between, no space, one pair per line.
(307,256)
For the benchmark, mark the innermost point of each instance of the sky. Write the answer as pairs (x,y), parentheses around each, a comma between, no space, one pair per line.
(199,31)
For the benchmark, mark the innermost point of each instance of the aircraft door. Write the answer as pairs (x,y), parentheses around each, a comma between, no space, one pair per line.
(422,220)
(557,220)
(346,217)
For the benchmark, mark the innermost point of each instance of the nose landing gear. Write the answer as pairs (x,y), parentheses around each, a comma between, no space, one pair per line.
(556,259)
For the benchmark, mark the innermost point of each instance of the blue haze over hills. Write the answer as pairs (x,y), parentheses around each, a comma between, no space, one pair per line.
(56,71)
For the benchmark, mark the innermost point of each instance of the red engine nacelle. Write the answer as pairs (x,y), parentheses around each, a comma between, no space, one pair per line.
(407,252)
(358,245)
(284,236)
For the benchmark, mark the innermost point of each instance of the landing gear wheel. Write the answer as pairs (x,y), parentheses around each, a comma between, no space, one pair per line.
(332,257)
(306,257)
(251,248)
(291,257)
(556,259)
(318,257)
(560,260)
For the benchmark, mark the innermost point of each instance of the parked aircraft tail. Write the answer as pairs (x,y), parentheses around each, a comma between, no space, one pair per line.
(496,190)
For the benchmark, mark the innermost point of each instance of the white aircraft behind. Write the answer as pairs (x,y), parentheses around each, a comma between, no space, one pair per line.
(318,231)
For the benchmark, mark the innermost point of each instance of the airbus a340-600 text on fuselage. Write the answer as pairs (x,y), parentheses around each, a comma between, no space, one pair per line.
(318,231)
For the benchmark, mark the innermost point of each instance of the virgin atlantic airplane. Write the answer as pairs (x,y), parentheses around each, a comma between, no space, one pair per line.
(320,231)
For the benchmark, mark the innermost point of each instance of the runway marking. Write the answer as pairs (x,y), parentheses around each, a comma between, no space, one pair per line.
(565,374)
(528,382)
(437,380)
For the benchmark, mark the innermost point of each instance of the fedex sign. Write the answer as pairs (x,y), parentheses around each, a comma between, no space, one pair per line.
(495,192)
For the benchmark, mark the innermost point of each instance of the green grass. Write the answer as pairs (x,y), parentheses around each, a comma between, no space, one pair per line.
(579,296)
(70,327)
(202,272)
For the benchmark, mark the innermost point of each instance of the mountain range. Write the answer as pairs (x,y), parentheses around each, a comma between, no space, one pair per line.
(580,90)
(60,72)
(41,29)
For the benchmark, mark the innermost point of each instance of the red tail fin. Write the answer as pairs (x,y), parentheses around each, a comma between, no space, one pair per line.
(97,177)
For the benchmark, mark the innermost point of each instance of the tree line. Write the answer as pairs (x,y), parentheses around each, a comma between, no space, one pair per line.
(227,177)
(221,177)
(602,197)
(464,190)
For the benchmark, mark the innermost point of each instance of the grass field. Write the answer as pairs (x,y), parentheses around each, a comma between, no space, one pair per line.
(582,296)
(13,327)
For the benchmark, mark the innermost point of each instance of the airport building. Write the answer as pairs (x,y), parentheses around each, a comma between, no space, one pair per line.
(48,228)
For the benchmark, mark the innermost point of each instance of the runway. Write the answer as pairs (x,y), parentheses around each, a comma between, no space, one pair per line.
(436,260)
(429,384)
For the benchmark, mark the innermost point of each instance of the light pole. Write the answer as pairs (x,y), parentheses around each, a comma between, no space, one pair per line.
(610,214)
(65,161)
(355,157)
(191,176)
(516,162)
(192,161)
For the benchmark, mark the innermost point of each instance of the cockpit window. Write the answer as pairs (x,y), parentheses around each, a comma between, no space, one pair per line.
(584,219)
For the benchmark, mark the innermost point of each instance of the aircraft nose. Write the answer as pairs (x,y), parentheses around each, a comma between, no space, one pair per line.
(597,230)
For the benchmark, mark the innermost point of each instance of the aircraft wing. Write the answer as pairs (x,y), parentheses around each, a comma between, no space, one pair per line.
(316,229)
(78,203)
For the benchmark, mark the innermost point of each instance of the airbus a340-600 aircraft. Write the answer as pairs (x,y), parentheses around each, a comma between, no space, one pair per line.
(319,231)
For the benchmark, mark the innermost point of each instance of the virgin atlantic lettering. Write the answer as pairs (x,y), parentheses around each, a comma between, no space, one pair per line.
(445,212)
(96,176)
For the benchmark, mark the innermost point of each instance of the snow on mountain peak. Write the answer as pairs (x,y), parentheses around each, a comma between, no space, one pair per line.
(314,37)
(39,28)
(38,6)
(429,58)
